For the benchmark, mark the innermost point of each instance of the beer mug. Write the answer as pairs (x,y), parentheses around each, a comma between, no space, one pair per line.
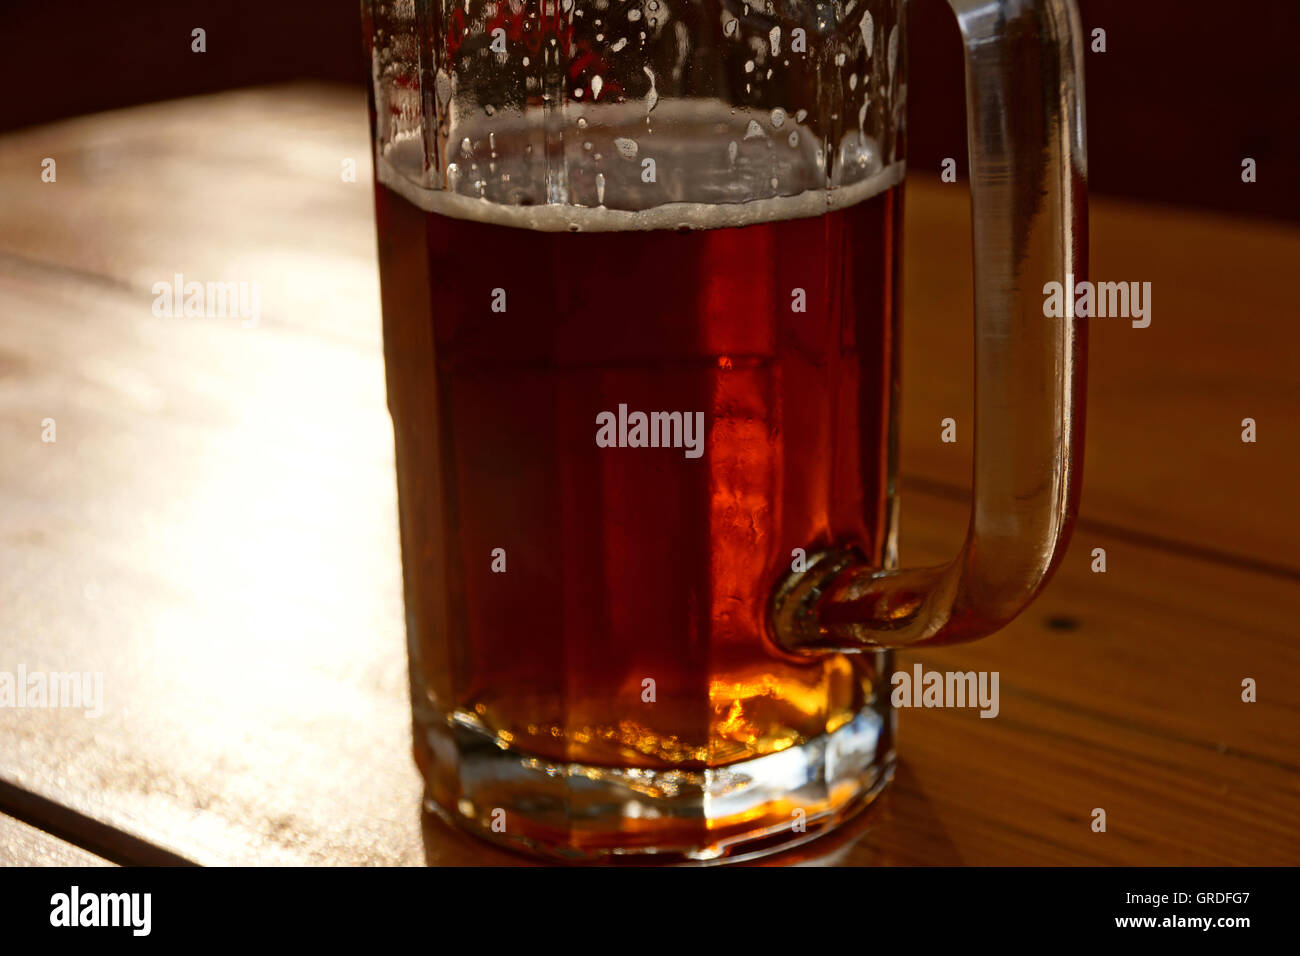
(640,281)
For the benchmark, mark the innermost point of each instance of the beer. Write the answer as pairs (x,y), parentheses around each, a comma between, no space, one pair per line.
(606,605)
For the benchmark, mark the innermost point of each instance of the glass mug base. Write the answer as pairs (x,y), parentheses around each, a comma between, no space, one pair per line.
(574,812)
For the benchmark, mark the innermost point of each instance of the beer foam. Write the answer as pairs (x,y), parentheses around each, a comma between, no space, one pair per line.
(717,167)
(557,217)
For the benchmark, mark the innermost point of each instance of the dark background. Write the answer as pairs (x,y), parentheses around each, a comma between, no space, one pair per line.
(1186,89)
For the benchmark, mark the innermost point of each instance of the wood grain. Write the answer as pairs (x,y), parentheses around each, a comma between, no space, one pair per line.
(22,845)
(215,527)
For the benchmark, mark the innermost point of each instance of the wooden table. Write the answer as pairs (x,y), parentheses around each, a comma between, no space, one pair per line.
(214,527)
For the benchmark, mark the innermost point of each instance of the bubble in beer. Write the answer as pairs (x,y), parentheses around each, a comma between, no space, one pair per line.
(627,148)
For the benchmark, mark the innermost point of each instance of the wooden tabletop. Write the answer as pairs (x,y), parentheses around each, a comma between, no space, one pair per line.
(214,527)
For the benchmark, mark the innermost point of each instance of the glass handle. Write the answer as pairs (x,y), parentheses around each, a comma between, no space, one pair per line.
(1028,167)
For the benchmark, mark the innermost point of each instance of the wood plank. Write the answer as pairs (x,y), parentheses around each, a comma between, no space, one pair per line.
(22,845)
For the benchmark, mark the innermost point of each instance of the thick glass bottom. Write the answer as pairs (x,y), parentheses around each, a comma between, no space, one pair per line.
(584,813)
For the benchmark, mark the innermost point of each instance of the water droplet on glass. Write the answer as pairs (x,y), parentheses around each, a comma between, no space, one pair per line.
(800,116)
(600,188)
(627,148)
(596,84)
(634,14)
(651,98)
(754,131)
(619,45)
(868,28)
(778,117)
(467,147)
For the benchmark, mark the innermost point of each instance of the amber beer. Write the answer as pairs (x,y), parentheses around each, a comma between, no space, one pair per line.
(577,602)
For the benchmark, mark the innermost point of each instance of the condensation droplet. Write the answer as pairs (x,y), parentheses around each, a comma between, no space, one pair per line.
(778,118)
(600,188)
(619,45)
(853,82)
(774,40)
(489,109)
(634,14)
(467,147)
(651,98)
(749,66)
(868,28)
(800,116)
(754,131)
(582,122)
(627,148)
(732,150)
(596,84)
(729,28)
(794,139)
